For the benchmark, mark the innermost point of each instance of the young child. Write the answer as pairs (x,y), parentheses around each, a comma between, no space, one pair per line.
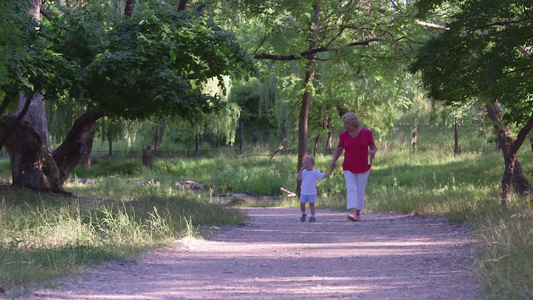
(309,176)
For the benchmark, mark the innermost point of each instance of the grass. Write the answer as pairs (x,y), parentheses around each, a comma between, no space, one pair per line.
(44,235)
(129,209)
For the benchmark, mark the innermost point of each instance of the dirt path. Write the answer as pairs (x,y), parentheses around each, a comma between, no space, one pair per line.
(275,256)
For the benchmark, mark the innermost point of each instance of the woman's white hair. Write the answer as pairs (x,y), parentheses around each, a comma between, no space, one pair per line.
(352,118)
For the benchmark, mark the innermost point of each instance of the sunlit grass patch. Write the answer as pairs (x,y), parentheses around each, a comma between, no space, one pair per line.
(42,236)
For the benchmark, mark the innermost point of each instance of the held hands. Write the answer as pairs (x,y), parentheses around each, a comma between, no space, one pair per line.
(332,167)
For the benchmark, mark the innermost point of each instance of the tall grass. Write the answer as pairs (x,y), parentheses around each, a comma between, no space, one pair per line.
(46,235)
(128,209)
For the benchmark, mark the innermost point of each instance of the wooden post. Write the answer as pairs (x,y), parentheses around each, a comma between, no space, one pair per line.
(414,141)
(241,134)
(197,145)
(456,148)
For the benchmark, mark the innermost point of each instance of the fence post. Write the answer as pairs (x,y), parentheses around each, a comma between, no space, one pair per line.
(414,141)
(241,134)
(456,148)
(197,145)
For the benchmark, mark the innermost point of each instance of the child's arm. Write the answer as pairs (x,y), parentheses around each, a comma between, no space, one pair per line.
(326,175)
(299,176)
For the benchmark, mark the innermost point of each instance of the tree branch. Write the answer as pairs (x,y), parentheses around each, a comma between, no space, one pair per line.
(432,25)
(307,53)
(522,135)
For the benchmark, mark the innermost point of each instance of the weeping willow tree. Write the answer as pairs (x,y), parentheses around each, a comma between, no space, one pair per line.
(221,123)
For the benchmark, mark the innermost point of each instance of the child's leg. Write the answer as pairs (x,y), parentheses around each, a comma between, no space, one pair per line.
(303,200)
(312,206)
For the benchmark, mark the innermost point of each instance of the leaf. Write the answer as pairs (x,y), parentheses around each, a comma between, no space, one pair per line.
(172,54)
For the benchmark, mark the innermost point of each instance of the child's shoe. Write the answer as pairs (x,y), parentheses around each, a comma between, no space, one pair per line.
(312,219)
(303,217)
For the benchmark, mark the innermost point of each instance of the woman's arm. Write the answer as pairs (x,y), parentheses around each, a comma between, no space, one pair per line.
(373,150)
(336,156)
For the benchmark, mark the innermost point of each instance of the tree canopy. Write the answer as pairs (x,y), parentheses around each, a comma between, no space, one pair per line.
(483,51)
(152,64)
(143,66)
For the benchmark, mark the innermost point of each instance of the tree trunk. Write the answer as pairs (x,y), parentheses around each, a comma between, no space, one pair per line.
(512,176)
(75,146)
(128,10)
(35,10)
(110,148)
(315,148)
(182,5)
(32,164)
(307,97)
(87,159)
(414,141)
(151,150)
(303,121)
(328,143)
(328,140)
(36,116)
(148,156)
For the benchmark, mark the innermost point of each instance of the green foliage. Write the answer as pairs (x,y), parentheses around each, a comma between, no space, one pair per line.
(28,64)
(101,168)
(351,74)
(139,67)
(257,115)
(484,54)
(10,36)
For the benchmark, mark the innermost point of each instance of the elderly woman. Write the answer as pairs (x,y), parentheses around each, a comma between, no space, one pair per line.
(359,150)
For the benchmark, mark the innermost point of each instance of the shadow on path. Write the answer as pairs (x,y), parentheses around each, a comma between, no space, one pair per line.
(276,256)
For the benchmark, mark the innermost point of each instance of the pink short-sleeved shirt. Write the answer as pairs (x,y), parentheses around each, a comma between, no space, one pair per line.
(356,150)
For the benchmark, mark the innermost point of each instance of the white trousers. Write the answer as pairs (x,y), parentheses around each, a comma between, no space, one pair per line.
(355,189)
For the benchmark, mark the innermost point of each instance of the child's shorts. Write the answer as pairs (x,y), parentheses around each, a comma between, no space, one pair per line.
(308,198)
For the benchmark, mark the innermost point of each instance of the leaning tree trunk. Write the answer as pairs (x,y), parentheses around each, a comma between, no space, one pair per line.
(32,164)
(512,176)
(76,145)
